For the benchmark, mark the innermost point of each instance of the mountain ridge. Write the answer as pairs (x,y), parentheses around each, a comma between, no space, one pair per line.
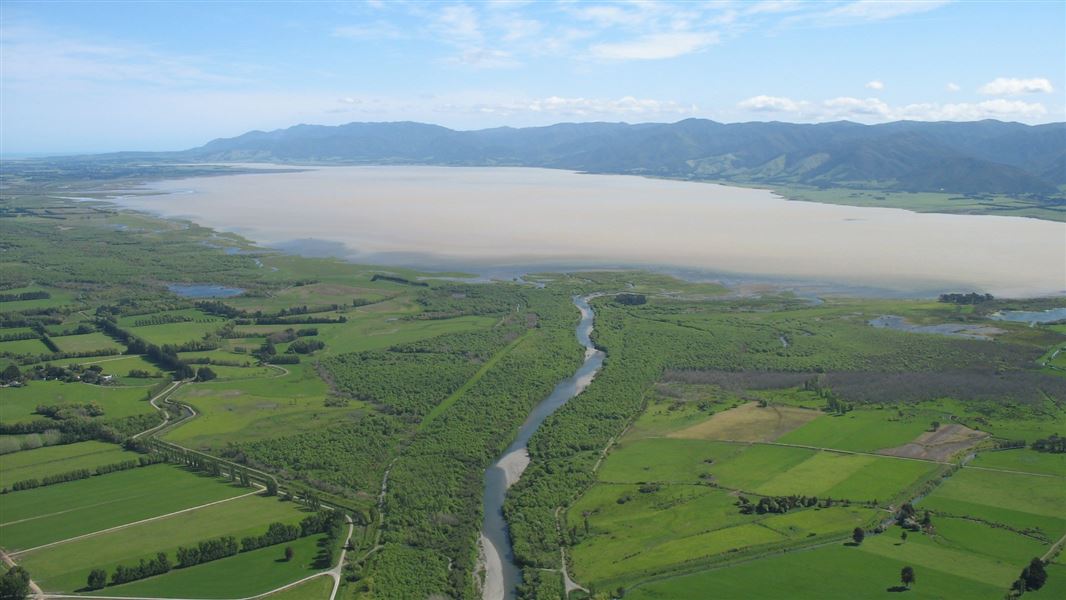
(986,156)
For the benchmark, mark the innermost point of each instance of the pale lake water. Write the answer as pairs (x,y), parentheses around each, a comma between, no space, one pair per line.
(484,218)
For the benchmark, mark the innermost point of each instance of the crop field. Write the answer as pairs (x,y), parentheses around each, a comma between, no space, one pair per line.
(238,576)
(858,431)
(49,514)
(1022,459)
(64,566)
(633,531)
(119,367)
(372,331)
(833,572)
(52,460)
(19,404)
(178,316)
(176,333)
(750,423)
(87,342)
(1019,500)
(59,297)
(761,469)
(31,346)
(318,588)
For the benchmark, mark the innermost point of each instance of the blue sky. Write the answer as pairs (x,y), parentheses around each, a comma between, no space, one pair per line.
(99,76)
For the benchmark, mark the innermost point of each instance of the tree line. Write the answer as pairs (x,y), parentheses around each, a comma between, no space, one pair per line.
(77,474)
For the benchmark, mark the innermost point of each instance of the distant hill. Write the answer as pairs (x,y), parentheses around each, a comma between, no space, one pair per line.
(971,157)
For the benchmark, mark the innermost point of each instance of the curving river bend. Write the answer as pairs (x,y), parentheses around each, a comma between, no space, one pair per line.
(502,575)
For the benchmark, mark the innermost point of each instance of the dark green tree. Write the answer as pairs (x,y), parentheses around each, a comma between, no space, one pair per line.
(205,374)
(97,579)
(906,575)
(15,584)
(11,373)
(1034,575)
(289,553)
(858,535)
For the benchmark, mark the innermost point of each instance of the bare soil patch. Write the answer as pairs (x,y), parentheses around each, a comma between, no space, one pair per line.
(942,444)
(749,423)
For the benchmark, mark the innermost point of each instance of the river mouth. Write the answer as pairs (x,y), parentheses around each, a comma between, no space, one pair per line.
(485,218)
(502,575)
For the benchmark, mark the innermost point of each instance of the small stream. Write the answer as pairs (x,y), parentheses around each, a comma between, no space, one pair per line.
(502,575)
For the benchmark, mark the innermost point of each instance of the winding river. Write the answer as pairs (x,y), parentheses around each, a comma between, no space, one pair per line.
(502,575)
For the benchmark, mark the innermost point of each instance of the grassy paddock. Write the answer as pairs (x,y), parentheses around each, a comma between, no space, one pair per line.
(53,460)
(66,566)
(833,572)
(1022,459)
(87,342)
(245,574)
(58,512)
(1018,500)
(19,404)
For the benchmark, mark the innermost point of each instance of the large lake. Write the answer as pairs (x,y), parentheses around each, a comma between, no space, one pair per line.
(493,217)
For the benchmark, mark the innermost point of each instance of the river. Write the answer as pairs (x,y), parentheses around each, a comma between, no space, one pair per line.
(502,575)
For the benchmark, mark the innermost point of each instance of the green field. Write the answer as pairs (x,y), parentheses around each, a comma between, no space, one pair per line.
(763,469)
(1023,460)
(31,346)
(176,333)
(859,431)
(87,342)
(19,404)
(934,202)
(680,524)
(1018,500)
(245,574)
(60,297)
(834,572)
(65,566)
(52,460)
(44,515)
(318,588)
(251,409)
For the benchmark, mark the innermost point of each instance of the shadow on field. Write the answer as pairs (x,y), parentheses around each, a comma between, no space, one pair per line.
(898,588)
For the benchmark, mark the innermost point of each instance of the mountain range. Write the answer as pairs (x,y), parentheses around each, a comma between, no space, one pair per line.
(959,157)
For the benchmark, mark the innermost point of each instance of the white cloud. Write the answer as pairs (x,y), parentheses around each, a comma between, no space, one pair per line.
(773,6)
(625,107)
(771,104)
(655,46)
(952,87)
(373,31)
(999,108)
(485,58)
(846,107)
(29,55)
(1011,86)
(875,85)
(459,22)
(879,10)
(876,110)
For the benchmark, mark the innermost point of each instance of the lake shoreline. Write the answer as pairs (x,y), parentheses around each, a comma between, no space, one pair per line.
(564,221)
